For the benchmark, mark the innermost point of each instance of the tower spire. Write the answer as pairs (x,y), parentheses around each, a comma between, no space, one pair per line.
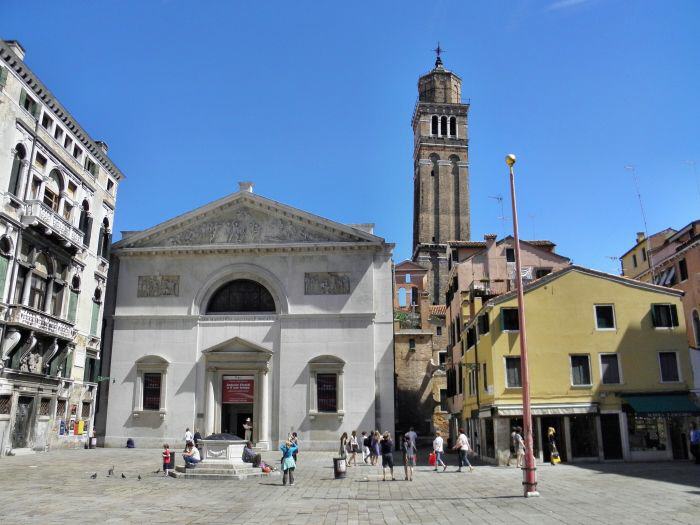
(438,61)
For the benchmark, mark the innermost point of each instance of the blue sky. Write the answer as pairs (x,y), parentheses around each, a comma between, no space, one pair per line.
(312,101)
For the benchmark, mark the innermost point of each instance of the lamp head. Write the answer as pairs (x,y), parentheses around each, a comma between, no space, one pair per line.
(510,159)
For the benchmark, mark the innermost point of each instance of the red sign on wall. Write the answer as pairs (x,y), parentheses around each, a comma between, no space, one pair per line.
(237,389)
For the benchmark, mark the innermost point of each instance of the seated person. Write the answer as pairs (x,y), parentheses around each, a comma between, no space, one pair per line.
(191,456)
(250,456)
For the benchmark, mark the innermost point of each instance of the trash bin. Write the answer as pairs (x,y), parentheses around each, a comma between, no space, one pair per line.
(340,467)
(93,442)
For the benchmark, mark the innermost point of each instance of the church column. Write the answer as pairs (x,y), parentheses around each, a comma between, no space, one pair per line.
(210,402)
(264,427)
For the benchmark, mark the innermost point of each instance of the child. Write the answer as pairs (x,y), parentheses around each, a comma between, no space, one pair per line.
(166,459)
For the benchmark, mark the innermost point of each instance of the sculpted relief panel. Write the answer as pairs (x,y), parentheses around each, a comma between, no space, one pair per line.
(158,286)
(326,283)
(245,226)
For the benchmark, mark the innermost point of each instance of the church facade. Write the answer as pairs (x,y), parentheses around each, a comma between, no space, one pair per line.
(248,308)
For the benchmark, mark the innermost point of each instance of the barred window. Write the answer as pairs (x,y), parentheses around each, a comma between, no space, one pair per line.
(151,391)
(5,404)
(45,406)
(61,408)
(327,387)
(85,413)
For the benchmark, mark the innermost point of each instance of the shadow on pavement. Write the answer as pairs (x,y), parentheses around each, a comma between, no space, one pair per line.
(678,472)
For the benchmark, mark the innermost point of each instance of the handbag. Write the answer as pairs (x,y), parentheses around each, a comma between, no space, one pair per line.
(431,459)
(556,459)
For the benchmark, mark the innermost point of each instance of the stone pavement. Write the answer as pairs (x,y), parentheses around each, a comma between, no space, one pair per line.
(56,488)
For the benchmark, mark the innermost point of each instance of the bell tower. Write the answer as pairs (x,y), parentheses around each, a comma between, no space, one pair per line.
(440,173)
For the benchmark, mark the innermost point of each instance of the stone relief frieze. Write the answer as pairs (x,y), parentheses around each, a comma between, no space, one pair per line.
(326,283)
(246,226)
(158,286)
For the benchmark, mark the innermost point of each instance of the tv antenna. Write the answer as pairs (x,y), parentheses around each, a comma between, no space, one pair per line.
(647,249)
(501,217)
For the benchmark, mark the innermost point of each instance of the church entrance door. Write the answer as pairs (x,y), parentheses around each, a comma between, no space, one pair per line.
(237,403)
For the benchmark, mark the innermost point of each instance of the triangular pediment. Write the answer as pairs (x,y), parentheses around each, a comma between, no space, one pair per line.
(245,219)
(236,345)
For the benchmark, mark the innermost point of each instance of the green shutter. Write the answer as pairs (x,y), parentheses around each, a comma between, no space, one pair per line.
(674,315)
(95,318)
(22,98)
(3,274)
(68,370)
(72,305)
(3,77)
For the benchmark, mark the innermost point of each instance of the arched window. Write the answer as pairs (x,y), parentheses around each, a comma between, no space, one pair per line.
(434,125)
(241,295)
(85,222)
(52,191)
(696,327)
(402,297)
(453,126)
(20,155)
(443,126)
(105,239)
(38,284)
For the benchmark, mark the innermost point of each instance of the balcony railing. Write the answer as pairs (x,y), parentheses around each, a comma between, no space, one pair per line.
(35,320)
(489,288)
(39,213)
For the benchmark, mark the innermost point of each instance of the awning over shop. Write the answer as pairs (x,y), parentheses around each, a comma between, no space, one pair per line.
(662,404)
(548,410)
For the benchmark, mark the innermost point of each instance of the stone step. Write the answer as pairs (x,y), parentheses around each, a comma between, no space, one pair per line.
(229,471)
(194,474)
(21,452)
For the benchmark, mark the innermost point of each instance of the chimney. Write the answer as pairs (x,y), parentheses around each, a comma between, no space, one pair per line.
(245,186)
(490,238)
(640,237)
(16,48)
(102,145)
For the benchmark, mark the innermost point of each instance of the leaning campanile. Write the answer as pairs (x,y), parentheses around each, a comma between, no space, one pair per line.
(440,173)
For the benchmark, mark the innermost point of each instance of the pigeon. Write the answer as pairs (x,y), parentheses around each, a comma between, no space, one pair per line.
(139,477)
(123,476)
(94,476)
(156,471)
(110,472)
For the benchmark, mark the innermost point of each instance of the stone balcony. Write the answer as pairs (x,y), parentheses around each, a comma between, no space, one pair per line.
(41,322)
(39,214)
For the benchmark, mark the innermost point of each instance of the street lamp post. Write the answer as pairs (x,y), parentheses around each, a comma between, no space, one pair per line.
(529,476)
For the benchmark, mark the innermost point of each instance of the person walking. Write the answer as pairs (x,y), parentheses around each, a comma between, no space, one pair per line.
(366,442)
(188,438)
(437,448)
(343,450)
(387,449)
(552,442)
(513,446)
(354,448)
(462,445)
(412,435)
(248,430)
(288,464)
(519,448)
(408,446)
(374,448)
(695,442)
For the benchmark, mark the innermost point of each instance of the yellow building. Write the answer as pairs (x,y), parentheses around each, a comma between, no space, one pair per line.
(609,369)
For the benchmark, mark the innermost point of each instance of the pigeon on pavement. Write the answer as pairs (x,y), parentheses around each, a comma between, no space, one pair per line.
(94,476)
(123,476)
(110,472)
(139,477)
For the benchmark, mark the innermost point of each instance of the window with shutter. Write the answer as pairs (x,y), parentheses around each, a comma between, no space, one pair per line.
(3,77)
(95,318)
(72,305)
(664,315)
(3,275)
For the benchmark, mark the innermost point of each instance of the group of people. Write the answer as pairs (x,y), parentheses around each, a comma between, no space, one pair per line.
(517,447)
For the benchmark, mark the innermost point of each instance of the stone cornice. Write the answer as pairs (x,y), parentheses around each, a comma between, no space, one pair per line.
(42,92)
(248,248)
